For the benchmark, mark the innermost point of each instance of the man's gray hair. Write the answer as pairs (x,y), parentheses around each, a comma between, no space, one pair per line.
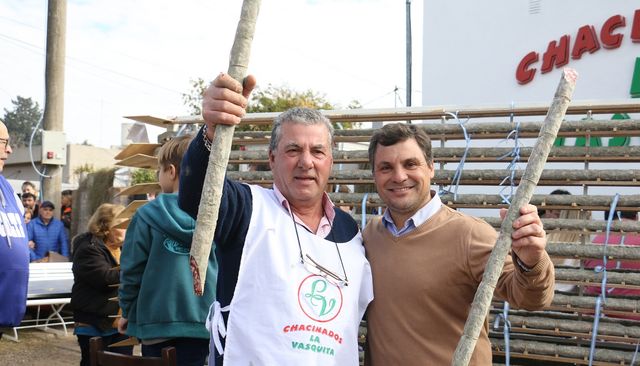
(298,115)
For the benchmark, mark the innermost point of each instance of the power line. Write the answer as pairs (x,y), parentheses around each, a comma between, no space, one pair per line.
(40,51)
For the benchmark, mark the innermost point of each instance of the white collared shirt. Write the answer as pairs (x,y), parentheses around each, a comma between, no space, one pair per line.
(422,215)
(325,222)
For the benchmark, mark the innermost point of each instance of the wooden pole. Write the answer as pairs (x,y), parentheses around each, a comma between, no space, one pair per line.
(219,156)
(54,93)
(493,269)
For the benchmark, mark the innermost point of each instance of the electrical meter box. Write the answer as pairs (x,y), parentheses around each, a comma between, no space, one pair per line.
(54,148)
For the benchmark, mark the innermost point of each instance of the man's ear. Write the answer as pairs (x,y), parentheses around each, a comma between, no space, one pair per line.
(271,159)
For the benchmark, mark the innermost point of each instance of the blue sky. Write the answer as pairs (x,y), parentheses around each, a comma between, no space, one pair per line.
(137,57)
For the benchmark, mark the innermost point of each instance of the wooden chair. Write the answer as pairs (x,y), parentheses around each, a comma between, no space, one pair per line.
(100,357)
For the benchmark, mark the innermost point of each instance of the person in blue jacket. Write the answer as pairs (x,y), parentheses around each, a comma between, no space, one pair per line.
(156,290)
(14,250)
(47,234)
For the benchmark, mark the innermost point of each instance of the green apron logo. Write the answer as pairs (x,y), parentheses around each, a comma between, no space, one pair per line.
(319,300)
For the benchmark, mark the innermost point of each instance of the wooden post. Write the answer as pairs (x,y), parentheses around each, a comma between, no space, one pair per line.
(219,156)
(493,269)
(54,93)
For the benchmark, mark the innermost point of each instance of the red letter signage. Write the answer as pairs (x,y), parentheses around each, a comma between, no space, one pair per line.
(635,28)
(523,73)
(610,40)
(557,54)
(586,40)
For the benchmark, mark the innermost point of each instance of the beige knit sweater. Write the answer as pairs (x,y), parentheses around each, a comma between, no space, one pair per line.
(424,283)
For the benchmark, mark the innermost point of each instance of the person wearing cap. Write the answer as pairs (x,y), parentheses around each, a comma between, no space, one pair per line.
(46,234)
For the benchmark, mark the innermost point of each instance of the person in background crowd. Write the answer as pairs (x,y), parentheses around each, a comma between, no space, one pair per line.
(29,187)
(28,215)
(96,260)
(66,200)
(154,260)
(47,234)
(627,239)
(29,201)
(65,209)
(552,214)
(14,250)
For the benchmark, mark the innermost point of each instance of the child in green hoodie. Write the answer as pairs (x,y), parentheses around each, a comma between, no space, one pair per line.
(156,291)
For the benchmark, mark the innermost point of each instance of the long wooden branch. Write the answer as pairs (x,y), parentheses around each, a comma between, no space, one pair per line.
(603,177)
(219,156)
(546,201)
(562,353)
(474,154)
(430,113)
(536,321)
(493,269)
(613,252)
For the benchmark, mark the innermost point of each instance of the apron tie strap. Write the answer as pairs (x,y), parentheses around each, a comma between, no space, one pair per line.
(215,326)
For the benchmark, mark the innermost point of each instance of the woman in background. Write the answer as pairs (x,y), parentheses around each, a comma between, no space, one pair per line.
(96,273)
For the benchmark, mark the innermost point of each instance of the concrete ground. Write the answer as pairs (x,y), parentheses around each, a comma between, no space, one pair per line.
(39,348)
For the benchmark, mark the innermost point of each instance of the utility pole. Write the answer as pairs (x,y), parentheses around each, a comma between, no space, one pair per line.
(54,92)
(409,55)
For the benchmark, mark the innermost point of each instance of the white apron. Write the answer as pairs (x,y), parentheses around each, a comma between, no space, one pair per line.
(282,314)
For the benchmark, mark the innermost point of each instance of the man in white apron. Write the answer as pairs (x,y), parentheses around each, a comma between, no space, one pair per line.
(293,281)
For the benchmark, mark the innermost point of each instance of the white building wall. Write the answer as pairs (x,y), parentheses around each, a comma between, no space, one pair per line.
(472,49)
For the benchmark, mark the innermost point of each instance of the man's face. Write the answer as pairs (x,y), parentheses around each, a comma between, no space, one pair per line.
(29,202)
(301,163)
(28,189)
(45,213)
(403,178)
(551,214)
(65,200)
(5,147)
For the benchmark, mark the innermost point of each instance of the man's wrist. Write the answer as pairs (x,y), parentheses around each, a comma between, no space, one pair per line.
(523,266)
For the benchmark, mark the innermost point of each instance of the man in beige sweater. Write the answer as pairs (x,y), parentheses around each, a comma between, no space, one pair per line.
(427,260)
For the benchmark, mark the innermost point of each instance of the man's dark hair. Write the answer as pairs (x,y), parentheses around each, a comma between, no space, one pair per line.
(557,191)
(28,195)
(67,192)
(630,215)
(393,133)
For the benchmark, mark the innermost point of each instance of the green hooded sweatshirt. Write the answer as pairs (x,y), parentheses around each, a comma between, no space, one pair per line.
(156,291)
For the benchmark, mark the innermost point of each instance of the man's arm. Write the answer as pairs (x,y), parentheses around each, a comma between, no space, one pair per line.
(32,244)
(528,281)
(224,102)
(528,238)
(235,203)
(64,240)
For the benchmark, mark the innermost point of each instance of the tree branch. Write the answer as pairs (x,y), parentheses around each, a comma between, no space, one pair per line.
(493,269)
